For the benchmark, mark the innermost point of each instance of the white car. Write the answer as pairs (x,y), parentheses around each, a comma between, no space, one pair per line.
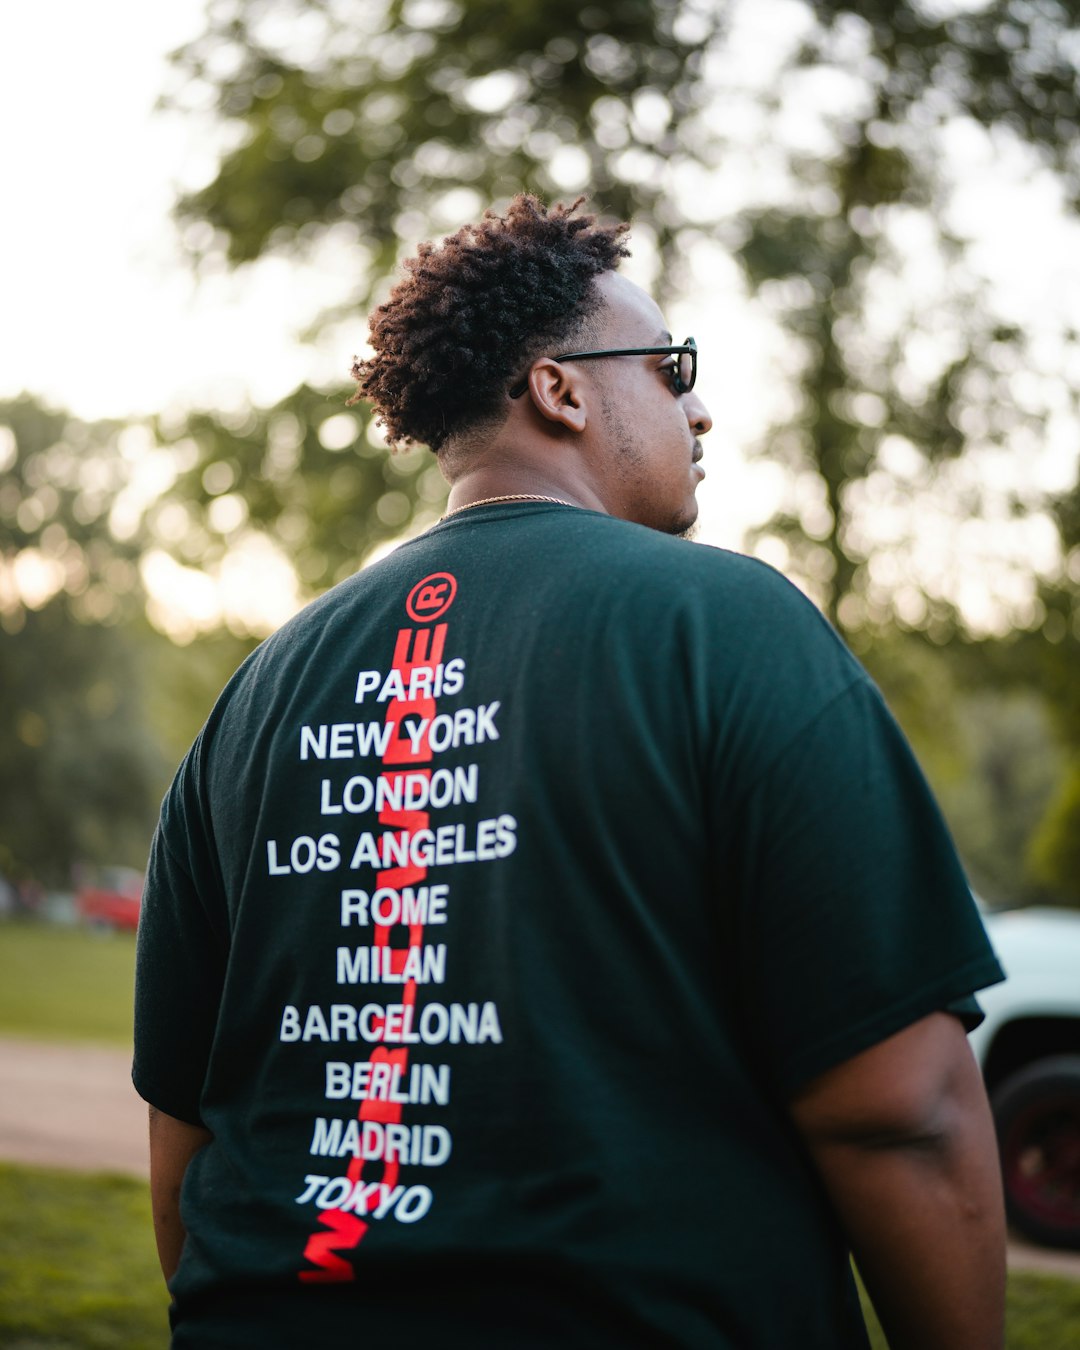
(1029,1051)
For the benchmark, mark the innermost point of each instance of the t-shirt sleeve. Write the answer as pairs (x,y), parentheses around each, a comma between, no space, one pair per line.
(180,955)
(855,918)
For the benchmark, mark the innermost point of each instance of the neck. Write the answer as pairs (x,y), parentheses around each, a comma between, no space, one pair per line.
(507,480)
(516,497)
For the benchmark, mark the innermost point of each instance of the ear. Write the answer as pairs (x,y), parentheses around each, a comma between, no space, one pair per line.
(557,394)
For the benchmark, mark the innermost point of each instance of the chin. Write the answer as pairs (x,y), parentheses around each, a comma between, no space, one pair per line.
(685,523)
(681,521)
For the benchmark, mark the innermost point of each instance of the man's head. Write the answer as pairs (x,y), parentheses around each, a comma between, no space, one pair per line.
(470,358)
(634,425)
(470,314)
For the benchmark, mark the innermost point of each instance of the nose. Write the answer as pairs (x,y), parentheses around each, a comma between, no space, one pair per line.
(696,414)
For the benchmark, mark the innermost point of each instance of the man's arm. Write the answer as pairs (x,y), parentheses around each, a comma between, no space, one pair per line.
(173,1143)
(904,1142)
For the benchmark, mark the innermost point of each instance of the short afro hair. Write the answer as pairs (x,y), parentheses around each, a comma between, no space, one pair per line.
(470,315)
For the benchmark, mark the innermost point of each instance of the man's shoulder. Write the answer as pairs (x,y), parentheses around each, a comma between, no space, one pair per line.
(578,555)
(567,532)
(690,572)
(583,560)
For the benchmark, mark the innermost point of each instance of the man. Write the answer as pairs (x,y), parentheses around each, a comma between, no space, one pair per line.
(549,938)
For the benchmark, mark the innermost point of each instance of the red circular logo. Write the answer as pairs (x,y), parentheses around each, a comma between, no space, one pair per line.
(431,598)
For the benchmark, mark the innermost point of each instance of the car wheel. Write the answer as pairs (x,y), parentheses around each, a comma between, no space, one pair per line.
(1037,1115)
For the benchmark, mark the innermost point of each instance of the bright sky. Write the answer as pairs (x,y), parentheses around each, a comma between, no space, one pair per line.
(99,313)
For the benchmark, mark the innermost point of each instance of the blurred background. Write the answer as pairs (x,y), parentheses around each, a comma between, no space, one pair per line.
(865,213)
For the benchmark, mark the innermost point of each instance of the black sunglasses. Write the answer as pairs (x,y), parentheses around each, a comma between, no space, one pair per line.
(683,372)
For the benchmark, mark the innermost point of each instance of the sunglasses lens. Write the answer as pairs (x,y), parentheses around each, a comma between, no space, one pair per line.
(687,368)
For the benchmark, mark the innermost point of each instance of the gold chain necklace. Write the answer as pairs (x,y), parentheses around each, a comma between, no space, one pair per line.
(509,497)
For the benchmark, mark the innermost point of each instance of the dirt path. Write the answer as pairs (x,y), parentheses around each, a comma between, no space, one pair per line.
(73,1106)
(70,1106)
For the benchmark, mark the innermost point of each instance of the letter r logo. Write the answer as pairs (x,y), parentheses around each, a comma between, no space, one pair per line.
(431,598)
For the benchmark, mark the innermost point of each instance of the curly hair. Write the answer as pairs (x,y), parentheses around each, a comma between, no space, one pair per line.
(471,314)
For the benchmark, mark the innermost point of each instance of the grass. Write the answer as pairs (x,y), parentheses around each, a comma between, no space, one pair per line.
(1042,1312)
(66,983)
(78,1269)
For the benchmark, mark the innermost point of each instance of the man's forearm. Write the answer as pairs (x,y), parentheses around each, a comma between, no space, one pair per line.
(904,1142)
(173,1143)
(925,1223)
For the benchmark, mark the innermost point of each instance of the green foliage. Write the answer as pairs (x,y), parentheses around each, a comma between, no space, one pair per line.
(181,684)
(60,480)
(78,768)
(78,1269)
(1023,668)
(990,749)
(921,687)
(66,984)
(1007,62)
(80,774)
(369,120)
(308,473)
(1014,765)
(1055,849)
(1008,65)
(381,109)
(99,707)
(99,715)
(371,123)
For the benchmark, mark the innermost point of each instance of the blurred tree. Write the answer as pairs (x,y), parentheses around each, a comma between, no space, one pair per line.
(98,706)
(1015,766)
(940,378)
(368,125)
(364,126)
(1055,848)
(67,523)
(308,474)
(80,772)
(1017,707)
(98,716)
(366,116)
(986,736)
(78,768)
(181,683)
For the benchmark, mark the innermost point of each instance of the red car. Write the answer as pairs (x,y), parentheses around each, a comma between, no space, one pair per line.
(114,901)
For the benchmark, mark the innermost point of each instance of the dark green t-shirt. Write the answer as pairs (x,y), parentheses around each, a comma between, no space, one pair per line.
(506,897)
